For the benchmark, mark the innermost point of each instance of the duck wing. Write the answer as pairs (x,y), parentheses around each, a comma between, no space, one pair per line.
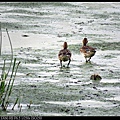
(86,49)
(64,52)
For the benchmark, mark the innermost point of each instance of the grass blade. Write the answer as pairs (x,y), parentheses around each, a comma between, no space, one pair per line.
(0,40)
(11,51)
(8,86)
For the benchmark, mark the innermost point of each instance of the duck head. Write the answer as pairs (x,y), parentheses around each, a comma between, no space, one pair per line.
(85,41)
(65,45)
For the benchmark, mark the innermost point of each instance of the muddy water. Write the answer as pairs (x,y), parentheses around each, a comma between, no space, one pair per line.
(56,91)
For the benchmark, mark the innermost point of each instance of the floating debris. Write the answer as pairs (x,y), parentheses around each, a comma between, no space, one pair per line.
(24,35)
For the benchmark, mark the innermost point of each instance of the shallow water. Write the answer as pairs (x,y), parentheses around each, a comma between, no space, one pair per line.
(37,31)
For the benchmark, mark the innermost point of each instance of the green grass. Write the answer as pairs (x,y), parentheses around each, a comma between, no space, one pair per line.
(6,81)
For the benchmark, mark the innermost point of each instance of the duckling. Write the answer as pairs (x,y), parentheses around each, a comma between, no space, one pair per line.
(95,79)
(87,51)
(65,54)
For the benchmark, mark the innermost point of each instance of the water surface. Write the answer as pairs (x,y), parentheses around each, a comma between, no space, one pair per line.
(37,31)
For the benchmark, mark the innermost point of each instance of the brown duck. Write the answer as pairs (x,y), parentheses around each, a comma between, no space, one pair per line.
(64,54)
(87,51)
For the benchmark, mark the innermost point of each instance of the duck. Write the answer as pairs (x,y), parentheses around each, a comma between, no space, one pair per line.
(87,51)
(65,54)
(95,77)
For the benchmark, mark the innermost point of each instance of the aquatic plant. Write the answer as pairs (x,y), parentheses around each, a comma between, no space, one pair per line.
(6,87)
(29,105)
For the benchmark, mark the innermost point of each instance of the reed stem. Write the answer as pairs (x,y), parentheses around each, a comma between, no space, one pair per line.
(11,51)
(0,39)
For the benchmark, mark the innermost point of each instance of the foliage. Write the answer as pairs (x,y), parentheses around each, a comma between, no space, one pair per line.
(6,84)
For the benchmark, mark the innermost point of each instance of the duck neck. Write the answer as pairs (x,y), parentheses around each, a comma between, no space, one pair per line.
(65,45)
(84,44)
(65,48)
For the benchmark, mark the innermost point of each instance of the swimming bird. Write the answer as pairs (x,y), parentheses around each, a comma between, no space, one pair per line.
(87,51)
(65,54)
(96,77)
